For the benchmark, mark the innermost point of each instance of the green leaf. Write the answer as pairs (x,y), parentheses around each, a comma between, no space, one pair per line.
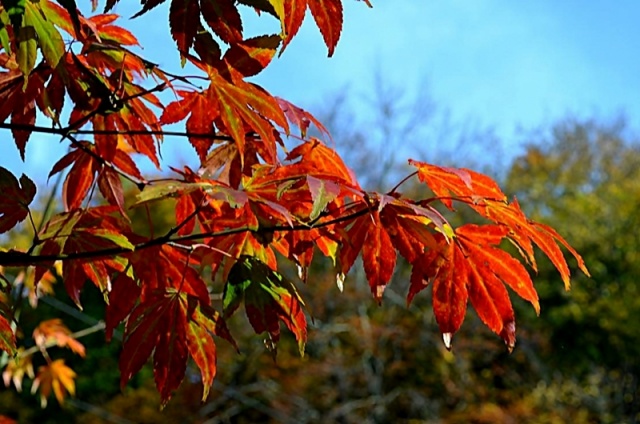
(239,280)
(15,9)
(278,8)
(49,38)
(61,225)
(268,298)
(116,238)
(163,190)
(27,50)
(4,34)
(5,285)
(322,193)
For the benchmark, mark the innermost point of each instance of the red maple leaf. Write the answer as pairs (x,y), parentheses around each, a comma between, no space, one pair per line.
(15,200)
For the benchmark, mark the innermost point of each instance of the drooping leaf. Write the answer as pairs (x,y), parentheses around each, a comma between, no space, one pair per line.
(449,293)
(49,39)
(7,337)
(496,261)
(182,17)
(171,353)
(524,232)
(56,377)
(328,17)
(294,11)
(53,330)
(223,18)
(17,368)
(27,49)
(110,186)
(23,115)
(16,198)
(80,178)
(18,97)
(352,243)
(142,333)
(122,299)
(472,267)
(203,322)
(483,195)
(268,297)
(203,351)
(301,118)
(378,256)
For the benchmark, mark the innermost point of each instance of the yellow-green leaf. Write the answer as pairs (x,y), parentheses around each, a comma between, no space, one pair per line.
(49,38)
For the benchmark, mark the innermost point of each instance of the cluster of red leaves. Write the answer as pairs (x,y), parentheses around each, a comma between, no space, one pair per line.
(249,200)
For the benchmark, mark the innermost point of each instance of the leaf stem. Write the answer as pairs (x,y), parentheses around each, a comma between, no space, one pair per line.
(404,180)
(70,130)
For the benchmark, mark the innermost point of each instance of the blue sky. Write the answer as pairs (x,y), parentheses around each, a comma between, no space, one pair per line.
(508,65)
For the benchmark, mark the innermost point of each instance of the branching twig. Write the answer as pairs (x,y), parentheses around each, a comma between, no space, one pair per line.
(14,258)
(69,130)
(78,334)
(139,183)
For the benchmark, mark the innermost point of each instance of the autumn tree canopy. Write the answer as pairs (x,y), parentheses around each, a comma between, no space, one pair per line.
(264,195)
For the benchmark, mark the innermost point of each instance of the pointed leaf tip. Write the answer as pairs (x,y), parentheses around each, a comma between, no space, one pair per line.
(340,281)
(446,338)
(508,334)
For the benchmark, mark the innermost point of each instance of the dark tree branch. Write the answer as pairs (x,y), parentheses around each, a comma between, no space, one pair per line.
(65,131)
(15,258)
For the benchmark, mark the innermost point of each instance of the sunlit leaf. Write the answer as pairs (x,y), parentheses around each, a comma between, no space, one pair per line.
(56,377)
(7,337)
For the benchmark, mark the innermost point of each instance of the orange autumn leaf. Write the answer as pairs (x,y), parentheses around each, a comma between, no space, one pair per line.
(16,369)
(259,194)
(56,377)
(54,331)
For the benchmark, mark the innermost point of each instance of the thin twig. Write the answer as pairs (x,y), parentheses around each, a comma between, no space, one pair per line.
(14,258)
(405,179)
(78,334)
(67,130)
(184,222)
(75,142)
